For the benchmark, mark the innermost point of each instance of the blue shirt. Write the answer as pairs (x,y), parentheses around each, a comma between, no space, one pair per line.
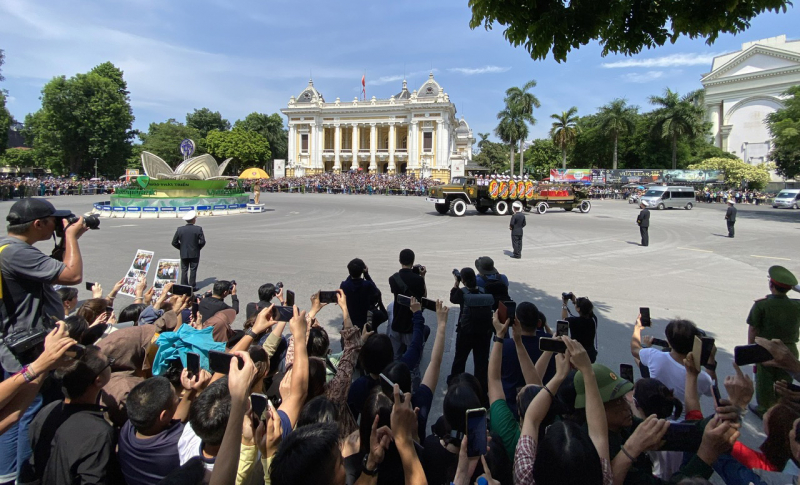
(511,372)
(483,280)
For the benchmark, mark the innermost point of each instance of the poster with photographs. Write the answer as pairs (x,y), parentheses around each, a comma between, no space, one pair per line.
(139,268)
(167,271)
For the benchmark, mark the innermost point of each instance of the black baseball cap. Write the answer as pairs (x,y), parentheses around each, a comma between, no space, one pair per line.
(27,210)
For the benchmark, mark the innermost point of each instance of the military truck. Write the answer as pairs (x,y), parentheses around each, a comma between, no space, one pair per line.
(501,196)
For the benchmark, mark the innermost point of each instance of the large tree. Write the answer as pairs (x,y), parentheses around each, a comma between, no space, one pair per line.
(621,26)
(19,157)
(509,132)
(5,115)
(677,117)
(270,127)
(205,120)
(84,119)
(492,155)
(784,125)
(737,171)
(522,101)
(164,139)
(542,156)
(244,146)
(564,131)
(617,118)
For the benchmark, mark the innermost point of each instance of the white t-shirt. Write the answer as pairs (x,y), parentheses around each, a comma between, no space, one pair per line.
(673,374)
(190,445)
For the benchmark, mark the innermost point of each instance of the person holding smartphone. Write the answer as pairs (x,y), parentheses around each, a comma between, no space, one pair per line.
(582,327)
(360,291)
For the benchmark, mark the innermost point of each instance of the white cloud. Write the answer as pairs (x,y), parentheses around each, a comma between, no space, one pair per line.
(469,71)
(671,60)
(643,77)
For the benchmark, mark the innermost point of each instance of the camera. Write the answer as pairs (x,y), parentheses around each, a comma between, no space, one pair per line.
(567,296)
(457,274)
(91,221)
(418,268)
(278,286)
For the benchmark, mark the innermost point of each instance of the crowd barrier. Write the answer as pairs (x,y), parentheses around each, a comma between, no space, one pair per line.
(105,209)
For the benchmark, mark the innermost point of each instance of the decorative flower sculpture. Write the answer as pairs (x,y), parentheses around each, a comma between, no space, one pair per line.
(203,167)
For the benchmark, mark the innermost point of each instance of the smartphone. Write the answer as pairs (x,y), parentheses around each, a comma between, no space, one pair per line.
(511,310)
(221,361)
(477,438)
(404,300)
(289,298)
(89,285)
(193,363)
(793,387)
(328,297)
(680,432)
(258,403)
(552,345)
(750,354)
(717,395)
(369,320)
(428,304)
(562,328)
(645,313)
(626,372)
(181,290)
(705,353)
(502,312)
(195,308)
(661,343)
(387,386)
(282,313)
(75,351)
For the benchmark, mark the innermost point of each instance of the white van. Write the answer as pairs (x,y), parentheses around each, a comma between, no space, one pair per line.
(787,199)
(660,197)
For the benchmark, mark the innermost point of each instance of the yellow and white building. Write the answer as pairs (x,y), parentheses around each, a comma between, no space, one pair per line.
(411,132)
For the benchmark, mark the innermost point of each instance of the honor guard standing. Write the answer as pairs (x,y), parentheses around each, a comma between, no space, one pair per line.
(774,317)
(189,240)
(730,216)
(644,223)
(516,225)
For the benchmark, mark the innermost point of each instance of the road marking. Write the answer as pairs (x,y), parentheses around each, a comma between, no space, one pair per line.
(769,257)
(699,250)
(125,225)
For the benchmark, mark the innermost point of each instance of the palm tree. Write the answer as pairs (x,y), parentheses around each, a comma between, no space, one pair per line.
(508,131)
(483,140)
(564,131)
(678,116)
(617,118)
(523,102)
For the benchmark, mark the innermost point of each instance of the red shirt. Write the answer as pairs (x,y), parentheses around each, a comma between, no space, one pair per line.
(752,458)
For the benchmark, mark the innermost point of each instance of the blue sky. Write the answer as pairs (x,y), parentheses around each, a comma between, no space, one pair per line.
(245,56)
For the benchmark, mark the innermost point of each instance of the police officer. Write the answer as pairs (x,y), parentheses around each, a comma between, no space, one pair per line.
(644,222)
(515,226)
(774,317)
(730,216)
(189,239)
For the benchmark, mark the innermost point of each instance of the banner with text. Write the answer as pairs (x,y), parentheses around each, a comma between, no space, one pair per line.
(576,175)
(634,176)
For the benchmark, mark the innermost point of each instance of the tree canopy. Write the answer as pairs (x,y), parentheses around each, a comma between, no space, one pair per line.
(244,146)
(19,157)
(564,131)
(542,156)
(737,171)
(678,116)
(164,139)
(784,125)
(271,128)
(204,120)
(621,26)
(617,118)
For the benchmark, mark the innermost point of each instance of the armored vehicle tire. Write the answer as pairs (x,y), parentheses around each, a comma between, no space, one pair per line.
(482,209)
(458,208)
(500,208)
(689,206)
(661,206)
(541,208)
(516,204)
(442,208)
(585,206)
(568,208)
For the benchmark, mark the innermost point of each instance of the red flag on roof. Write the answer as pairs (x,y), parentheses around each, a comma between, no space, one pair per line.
(364,85)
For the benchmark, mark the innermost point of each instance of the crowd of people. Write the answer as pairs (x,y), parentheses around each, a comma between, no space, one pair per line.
(17,188)
(165,390)
(349,183)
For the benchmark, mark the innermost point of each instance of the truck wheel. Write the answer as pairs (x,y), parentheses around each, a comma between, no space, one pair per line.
(482,209)
(517,204)
(661,206)
(500,208)
(527,208)
(442,208)
(568,208)
(541,208)
(585,206)
(458,208)
(689,206)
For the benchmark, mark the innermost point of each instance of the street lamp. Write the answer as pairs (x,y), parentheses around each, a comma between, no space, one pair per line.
(95,168)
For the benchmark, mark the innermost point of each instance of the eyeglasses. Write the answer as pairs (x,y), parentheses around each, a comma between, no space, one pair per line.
(111,361)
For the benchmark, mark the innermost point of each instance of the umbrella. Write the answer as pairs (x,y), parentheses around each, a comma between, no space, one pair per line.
(254,173)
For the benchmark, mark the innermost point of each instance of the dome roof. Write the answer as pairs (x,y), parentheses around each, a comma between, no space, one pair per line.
(430,89)
(403,94)
(463,127)
(309,93)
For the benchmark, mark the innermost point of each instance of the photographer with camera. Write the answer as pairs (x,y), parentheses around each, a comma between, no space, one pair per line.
(210,305)
(29,300)
(583,327)
(409,281)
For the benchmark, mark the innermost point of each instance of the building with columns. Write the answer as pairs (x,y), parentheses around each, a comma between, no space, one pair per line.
(411,132)
(743,87)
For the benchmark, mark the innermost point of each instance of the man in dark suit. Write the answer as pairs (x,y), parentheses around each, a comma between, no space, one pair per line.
(644,223)
(189,239)
(516,225)
(730,216)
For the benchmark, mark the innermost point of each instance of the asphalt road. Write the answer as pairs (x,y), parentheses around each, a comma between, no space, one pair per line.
(306,240)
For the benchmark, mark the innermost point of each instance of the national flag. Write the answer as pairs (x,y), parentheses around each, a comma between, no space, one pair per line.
(364,85)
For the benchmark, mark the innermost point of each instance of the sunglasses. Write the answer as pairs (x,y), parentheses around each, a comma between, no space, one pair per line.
(111,361)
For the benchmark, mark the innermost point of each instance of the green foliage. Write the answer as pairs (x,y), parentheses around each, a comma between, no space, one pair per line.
(5,122)
(19,157)
(784,125)
(247,147)
(516,116)
(2,61)
(204,120)
(542,156)
(677,117)
(617,118)
(621,26)
(564,131)
(737,171)
(164,139)
(492,155)
(83,118)
(271,128)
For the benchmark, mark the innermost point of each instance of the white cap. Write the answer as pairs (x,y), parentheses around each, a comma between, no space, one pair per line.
(190,215)
(731,201)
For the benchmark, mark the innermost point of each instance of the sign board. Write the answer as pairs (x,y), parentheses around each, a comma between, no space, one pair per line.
(129,172)
(279,169)
(457,168)
(644,176)
(187,148)
(571,175)
(693,176)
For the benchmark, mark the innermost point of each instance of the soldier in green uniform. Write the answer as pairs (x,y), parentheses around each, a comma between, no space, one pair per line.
(774,317)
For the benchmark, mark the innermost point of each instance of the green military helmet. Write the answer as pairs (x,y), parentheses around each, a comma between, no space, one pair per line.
(782,276)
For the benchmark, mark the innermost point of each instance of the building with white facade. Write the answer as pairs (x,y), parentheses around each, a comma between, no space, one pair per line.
(743,87)
(411,132)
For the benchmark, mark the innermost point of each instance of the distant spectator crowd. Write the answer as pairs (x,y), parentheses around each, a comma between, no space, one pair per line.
(350,183)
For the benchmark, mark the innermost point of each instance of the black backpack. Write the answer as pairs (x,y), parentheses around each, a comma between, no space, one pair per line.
(476,313)
(497,289)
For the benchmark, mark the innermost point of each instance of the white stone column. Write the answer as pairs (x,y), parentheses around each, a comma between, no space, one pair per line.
(337,164)
(354,162)
(292,148)
(439,161)
(413,149)
(373,147)
(312,137)
(319,159)
(713,114)
(392,146)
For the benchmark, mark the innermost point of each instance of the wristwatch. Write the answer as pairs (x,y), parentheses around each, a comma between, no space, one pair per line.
(366,470)
(250,333)
(498,339)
